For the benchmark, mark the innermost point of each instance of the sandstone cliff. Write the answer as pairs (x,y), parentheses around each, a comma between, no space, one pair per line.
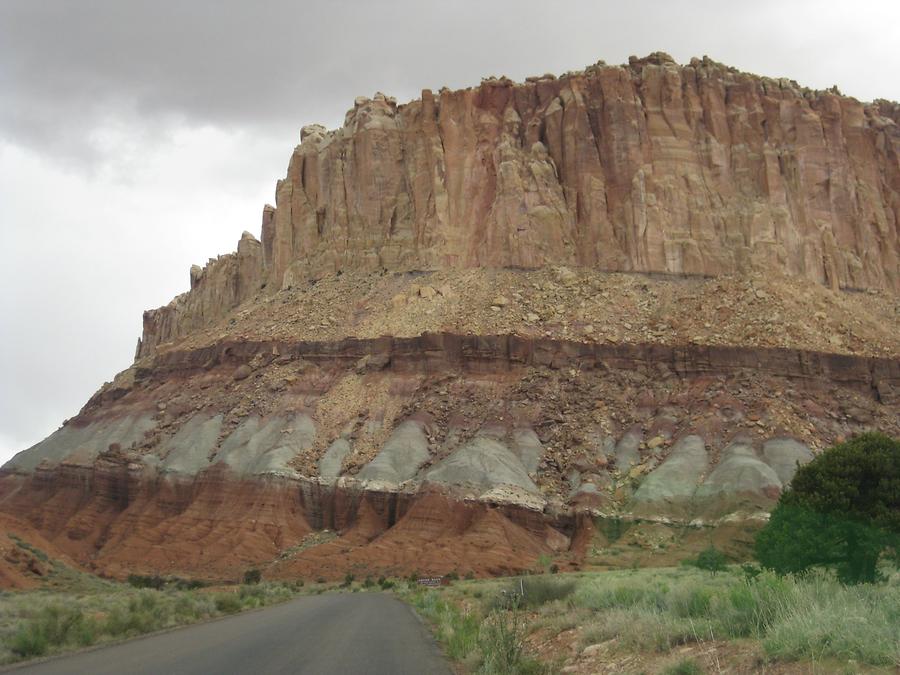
(651,166)
(489,325)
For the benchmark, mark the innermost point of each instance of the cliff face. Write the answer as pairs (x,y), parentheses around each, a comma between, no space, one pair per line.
(650,167)
(477,326)
(435,453)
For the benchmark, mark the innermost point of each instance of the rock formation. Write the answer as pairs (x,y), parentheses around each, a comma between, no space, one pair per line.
(650,167)
(599,317)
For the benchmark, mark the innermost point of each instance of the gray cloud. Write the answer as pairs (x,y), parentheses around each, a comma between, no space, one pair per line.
(70,66)
(140,136)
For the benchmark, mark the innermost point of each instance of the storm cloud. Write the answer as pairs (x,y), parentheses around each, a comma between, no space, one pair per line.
(139,137)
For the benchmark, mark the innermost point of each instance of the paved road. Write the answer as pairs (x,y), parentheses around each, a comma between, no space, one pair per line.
(348,633)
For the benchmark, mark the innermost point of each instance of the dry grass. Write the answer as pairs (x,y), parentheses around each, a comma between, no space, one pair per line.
(799,621)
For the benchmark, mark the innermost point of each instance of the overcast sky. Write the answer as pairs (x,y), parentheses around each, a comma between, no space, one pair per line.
(139,137)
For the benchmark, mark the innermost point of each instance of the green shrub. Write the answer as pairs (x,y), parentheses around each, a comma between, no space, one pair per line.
(841,512)
(461,635)
(618,596)
(228,603)
(711,559)
(252,576)
(252,596)
(188,584)
(501,640)
(28,641)
(684,667)
(751,571)
(348,580)
(643,628)
(53,626)
(690,602)
(146,581)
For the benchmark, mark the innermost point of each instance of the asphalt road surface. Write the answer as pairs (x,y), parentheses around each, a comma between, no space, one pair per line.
(348,633)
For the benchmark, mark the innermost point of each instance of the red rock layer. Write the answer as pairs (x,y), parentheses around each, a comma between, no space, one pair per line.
(27,559)
(434,353)
(216,526)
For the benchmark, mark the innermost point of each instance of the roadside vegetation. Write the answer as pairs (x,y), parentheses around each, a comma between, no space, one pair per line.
(825,594)
(95,611)
(658,614)
(80,610)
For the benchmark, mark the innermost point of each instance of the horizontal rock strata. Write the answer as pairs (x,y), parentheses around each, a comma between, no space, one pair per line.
(482,453)
(599,319)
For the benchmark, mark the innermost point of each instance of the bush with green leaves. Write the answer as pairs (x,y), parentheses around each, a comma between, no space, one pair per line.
(252,576)
(711,560)
(684,667)
(146,581)
(841,512)
(502,642)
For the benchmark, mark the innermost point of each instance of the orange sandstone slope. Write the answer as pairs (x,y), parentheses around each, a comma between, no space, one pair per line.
(481,327)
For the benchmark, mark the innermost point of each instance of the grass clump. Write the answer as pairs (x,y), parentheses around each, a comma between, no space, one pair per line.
(684,667)
(54,625)
(810,619)
(492,645)
(533,591)
(457,631)
(501,640)
(821,618)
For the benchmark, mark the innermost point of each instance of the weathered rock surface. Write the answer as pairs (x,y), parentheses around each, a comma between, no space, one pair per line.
(187,470)
(626,452)
(188,450)
(333,459)
(82,444)
(651,166)
(784,455)
(267,447)
(613,309)
(740,482)
(671,487)
(483,462)
(741,471)
(405,451)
